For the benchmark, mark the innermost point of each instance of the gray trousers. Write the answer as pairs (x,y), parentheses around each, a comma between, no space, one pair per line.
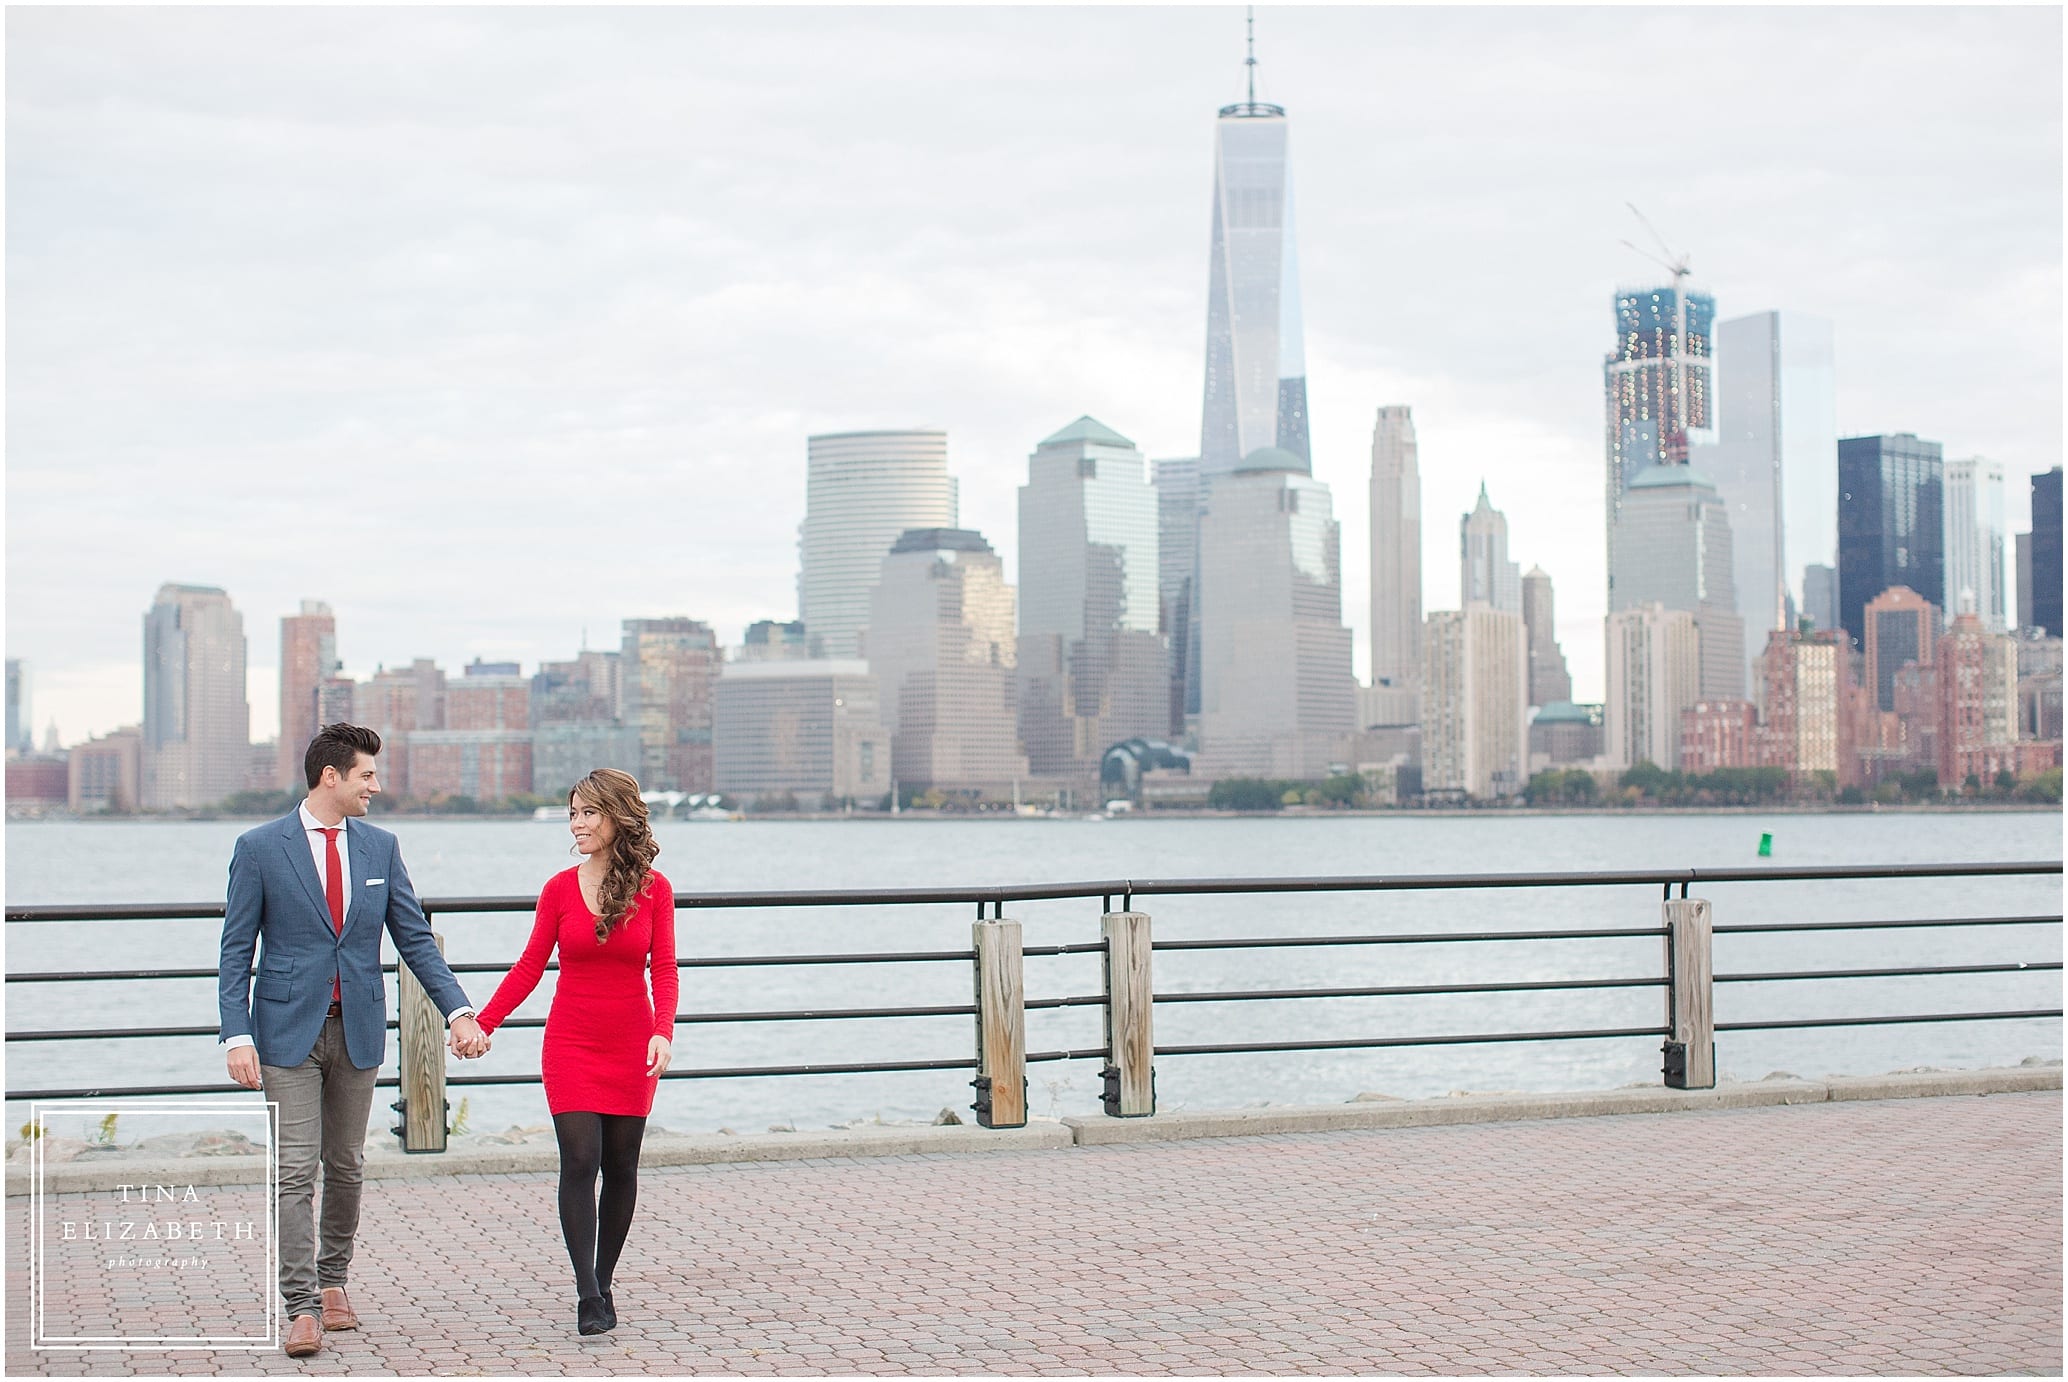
(323,1102)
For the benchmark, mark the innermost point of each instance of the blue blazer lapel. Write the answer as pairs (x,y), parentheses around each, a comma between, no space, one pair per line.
(358,863)
(303,864)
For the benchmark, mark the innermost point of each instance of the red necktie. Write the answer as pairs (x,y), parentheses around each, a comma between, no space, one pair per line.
(334,893)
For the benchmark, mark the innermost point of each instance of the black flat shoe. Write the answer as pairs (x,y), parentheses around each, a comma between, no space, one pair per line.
(610,1312)
(590,1316)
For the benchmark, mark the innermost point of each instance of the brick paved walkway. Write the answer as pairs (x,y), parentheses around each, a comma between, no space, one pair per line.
(1905,1236)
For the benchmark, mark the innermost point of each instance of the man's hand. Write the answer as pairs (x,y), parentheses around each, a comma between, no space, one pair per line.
(244,1066)
(467,1040)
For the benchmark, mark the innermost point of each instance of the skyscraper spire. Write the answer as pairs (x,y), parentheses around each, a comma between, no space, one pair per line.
(1251,61)
(1484,573)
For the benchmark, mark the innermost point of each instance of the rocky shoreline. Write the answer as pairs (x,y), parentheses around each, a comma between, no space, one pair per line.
(208,1142)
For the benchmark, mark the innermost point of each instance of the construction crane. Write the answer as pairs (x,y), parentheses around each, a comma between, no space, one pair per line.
(1677,265)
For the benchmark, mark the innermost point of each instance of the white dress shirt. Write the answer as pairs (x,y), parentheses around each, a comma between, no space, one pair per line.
(319,854)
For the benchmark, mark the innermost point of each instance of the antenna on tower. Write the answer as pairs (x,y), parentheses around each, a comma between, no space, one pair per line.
(1251,61)
(1249,109)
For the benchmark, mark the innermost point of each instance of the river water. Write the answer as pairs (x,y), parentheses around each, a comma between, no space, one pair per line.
(75,862)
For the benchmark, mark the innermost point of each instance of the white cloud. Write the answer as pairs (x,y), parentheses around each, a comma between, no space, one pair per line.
(488,325)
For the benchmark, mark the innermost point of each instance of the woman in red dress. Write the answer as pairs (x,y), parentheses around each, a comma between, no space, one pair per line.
(607,1043)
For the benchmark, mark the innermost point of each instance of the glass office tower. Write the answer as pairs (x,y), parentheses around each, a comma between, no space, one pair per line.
(1820,596)
(1093,668)
(1659,386)
(1396,553)
(861,491)
(943,651)
(1255,397)
(1975,541)
(2046,551)
(1891,523)
(1775,461)
(1256,371)
(1278,692)
(1177,542)
(197,718)
(1673,548)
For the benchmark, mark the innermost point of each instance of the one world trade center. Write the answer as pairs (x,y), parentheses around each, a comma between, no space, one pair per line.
(1256,372)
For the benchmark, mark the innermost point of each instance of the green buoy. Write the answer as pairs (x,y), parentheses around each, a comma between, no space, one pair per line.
(1766,844)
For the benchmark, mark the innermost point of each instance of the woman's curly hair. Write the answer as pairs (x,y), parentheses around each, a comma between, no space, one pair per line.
(632,849)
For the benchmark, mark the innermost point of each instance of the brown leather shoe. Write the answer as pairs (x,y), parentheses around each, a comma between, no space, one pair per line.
(304,1337)
(337,1310)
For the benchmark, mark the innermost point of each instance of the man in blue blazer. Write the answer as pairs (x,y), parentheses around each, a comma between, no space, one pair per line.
(316,887)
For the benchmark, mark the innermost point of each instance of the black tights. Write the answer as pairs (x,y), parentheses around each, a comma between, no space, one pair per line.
(595,1228)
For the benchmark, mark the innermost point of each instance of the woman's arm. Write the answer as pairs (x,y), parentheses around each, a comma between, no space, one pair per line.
(667,982)
(524,976)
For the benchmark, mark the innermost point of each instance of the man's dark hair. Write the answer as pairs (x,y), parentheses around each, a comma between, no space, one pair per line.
(338,746)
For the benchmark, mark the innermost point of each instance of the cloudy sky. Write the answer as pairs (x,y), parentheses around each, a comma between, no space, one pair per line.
(494,326)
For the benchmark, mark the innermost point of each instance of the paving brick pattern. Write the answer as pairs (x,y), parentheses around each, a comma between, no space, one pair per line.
(1917,1236)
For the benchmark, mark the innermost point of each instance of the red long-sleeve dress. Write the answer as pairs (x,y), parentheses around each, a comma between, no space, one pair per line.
(602,1018)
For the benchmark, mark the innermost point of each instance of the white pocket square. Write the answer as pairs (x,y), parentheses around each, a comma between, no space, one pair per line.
(371,881)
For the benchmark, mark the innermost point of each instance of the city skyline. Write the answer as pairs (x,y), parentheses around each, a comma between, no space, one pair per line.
(491,320)
(483,737)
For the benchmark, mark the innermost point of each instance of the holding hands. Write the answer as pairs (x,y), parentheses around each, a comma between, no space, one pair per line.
(467,1040)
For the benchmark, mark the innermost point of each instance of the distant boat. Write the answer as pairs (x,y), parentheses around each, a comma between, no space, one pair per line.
(550,813)
(714,813)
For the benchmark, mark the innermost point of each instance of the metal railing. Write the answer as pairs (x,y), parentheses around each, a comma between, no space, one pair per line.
(1128,1000)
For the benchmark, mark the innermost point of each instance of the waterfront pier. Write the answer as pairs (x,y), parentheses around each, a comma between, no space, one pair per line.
(1897,1224)
(1840,1236)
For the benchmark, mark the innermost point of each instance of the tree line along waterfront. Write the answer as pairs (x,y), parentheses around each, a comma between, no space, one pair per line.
(1634,789)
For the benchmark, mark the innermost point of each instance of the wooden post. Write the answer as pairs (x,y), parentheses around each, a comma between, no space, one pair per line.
(1001,1081)
(1131,1074)
(422,1104)
(1690,1014)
